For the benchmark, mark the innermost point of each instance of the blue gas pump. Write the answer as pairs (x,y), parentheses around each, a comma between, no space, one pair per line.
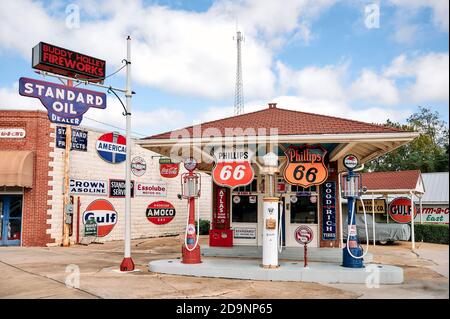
(352,190)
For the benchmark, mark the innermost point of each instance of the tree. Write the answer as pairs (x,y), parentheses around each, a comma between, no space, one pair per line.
(428,152)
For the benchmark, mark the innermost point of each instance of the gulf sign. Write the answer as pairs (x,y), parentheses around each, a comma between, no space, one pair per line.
(400,210)
(48,57)
(103,213)
(232,167)
(112,147)
(64,104)
(160,212)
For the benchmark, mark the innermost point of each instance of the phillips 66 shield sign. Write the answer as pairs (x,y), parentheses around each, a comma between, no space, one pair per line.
(232,167)
(305,165)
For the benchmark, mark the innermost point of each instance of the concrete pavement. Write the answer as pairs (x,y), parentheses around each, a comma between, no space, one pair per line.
(43,273)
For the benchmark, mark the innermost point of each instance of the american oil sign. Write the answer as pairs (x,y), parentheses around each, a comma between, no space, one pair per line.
(305,165)
(64,104)
(112,147)
(48,57)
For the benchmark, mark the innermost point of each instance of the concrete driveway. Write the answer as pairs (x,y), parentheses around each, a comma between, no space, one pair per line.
(52,272)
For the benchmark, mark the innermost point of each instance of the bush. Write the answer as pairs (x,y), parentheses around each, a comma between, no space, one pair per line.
(431,233)
(204,226)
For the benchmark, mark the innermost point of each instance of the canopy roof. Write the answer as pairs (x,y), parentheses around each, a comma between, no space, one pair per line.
(393,182)
(274,125)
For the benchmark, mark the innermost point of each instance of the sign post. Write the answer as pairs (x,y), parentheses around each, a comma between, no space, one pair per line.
(304,235)
(127,263)
(66,239)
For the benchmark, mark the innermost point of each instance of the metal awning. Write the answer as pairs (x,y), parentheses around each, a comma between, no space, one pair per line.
(16,168)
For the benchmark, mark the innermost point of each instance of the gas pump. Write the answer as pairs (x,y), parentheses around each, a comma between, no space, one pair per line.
(352,189)
(190,190)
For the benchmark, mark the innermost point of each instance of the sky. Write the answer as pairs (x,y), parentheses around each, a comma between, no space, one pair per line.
(364,60)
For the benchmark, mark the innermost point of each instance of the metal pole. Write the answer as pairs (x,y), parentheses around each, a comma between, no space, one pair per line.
(412,222)
(127,263)
(66,201)
(373,219)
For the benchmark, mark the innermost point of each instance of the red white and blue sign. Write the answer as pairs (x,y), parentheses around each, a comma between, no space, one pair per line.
(112,147)
(64,104)
(103,213)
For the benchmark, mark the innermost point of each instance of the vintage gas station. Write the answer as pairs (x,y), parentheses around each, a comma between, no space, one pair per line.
(278,176)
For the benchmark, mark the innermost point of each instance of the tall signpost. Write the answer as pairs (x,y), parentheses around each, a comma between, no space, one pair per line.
(67,104)
(127,263)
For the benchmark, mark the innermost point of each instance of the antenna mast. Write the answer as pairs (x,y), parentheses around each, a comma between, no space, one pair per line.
(239,90)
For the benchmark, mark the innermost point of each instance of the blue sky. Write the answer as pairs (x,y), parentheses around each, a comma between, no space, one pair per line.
(316,56)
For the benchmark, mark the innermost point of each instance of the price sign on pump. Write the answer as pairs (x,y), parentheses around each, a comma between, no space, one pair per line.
(232,167)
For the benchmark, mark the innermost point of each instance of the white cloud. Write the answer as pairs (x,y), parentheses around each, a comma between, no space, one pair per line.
(429,76)
(374,88)
(181,52)
(440,10)
(10,99)
(313,82)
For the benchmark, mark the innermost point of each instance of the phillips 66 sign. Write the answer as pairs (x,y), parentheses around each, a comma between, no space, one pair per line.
(305,165)
(233,167)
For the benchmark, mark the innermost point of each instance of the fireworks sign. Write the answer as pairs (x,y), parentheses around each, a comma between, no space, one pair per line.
(50,58)
(305,165)
(232,167)
(64,104)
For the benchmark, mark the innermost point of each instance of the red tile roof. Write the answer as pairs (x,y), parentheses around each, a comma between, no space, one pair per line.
(391,180)
(288,122)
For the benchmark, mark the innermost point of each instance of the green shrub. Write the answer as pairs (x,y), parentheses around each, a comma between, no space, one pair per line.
(431,233)
(204,226)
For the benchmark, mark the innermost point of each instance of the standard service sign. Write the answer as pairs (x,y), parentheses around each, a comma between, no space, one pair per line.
(112,148)
(64,104)
(103,213)
(160,212)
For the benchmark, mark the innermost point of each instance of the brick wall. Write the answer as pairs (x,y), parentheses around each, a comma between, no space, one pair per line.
(37,139)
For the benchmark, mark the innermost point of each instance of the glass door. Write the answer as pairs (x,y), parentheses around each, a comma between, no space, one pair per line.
(11,220)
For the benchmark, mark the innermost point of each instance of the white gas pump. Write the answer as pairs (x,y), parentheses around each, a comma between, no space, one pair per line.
(352,190)
(190,190)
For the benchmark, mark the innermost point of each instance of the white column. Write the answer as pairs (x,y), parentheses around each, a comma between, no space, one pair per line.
(270,232)
(373,219)
(128,96)
(412,222)
(420,207)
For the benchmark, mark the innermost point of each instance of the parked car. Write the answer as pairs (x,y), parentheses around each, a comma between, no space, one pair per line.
(384,233)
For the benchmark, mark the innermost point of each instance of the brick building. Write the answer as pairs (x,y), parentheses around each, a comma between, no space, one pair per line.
(32,177)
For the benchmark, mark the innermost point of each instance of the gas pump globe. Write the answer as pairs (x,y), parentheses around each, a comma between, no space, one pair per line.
(190,185)
(351,185)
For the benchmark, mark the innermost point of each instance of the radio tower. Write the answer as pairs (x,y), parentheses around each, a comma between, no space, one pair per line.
(239,91)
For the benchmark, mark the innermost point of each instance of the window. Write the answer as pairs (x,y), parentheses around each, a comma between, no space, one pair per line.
(244,209)
(303,211)
(252,187)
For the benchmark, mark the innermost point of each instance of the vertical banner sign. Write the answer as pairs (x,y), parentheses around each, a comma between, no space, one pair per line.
(305,165)
(112,147)
(329,211)
(222,217)
(64,104)
(79,139)
(232,167)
